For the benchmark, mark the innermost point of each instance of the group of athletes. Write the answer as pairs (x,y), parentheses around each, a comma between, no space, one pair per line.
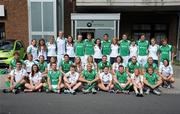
(90,65)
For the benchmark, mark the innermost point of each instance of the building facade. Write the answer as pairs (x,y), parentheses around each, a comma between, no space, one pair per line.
(29,19)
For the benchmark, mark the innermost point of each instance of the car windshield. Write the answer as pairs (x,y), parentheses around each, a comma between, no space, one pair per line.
(6,45)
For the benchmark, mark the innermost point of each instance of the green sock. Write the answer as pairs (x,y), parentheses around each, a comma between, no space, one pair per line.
(7,83)
(17,86)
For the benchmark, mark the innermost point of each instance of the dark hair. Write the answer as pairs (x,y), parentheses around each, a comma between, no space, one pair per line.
(16,53)
(66,55)
(72,39)
(19,62)
(119,57)
(96,41)
(106,35)
(41,56)
(39,44)
(167,61)
(53,63)
(89,34)
(104,56)
(106,67)
(32,71)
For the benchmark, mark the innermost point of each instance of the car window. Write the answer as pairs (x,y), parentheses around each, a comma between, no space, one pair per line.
(6,45)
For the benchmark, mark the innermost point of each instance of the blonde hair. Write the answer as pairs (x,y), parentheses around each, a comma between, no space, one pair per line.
(114,40)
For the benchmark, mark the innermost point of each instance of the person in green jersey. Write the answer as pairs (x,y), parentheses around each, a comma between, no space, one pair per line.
(106,46)
(54,79)
(152,81)
(89,46)
(124,46)
(42,65)
(89,78)
(71,80)
(79,48)
(122,82)
(12,64)
(142,50)
(166,52)
(103,63)
(65,64)
(17,79)
(150,63)
(133,64)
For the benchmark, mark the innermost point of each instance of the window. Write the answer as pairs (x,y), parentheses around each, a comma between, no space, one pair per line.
(158,31)
(42,18)
(2,31)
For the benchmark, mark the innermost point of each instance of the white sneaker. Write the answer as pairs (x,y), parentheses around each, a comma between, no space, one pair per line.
(147,91)
(156,92)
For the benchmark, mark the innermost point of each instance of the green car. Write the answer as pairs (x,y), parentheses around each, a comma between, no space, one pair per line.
(7,49)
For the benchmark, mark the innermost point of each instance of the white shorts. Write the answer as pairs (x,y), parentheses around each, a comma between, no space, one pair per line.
(59,59)
(142,60)
(125,60)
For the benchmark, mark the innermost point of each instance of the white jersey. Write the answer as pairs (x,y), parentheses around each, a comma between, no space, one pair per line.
(18,74)
(36,78)
(106,78)
(153,51)
(70,50)
(166,71)
(115,66)
(114,50)
(51,49)
(97,52)
(133,51)
(29,65)
(61,42)
(42,52)
(137,79)
(72,78)
(34,51)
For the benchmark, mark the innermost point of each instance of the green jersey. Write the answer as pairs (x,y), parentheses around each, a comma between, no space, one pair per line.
(89,47)
(89,75)
(42,66)
(66,66)
(124,47)
(143,47)
(12,63)
(147,65)
(165,52)
(106,47)
(131,66)
(122,77)
(101,65)
(54,76)
(79,48)
(152,79)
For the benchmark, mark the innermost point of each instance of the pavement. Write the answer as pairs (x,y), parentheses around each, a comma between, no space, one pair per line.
(101,103)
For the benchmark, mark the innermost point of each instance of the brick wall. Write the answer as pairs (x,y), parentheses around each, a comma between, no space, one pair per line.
(16,19)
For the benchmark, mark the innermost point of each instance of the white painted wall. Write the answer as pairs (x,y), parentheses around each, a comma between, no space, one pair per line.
(127,2)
